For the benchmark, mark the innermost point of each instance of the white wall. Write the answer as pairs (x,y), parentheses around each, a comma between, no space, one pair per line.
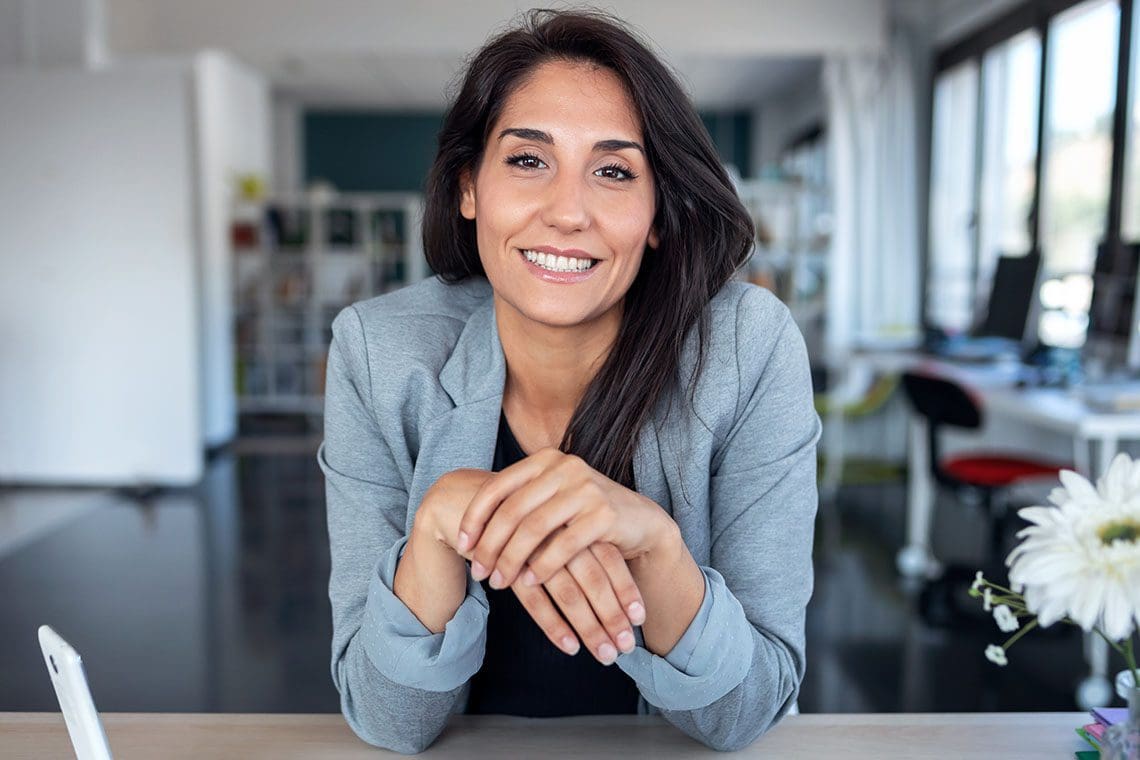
(99,379)
(12,51)
(721,27)
(233,137)
(55,33)
(781,119)
(288,141)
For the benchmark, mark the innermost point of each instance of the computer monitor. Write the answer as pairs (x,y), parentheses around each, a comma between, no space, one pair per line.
(1112,337)
(1013,293)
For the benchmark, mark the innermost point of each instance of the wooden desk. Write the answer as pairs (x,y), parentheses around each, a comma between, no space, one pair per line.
(913,737)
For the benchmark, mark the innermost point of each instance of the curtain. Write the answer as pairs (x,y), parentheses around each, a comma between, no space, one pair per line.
(874,285)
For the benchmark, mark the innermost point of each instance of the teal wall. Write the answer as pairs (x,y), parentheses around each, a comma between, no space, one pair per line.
(731,132)
(369,151)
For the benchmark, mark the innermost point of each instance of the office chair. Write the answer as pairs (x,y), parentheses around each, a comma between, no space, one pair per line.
(976,478)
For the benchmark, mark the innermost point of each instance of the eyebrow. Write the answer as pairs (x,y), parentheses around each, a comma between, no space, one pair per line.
(539,136)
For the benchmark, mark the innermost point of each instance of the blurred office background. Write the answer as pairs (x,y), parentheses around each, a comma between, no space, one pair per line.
(190,191)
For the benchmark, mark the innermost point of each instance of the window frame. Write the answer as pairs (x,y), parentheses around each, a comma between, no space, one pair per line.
(1036,14)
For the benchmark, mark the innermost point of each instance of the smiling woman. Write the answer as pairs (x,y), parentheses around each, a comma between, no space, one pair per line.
(581,405)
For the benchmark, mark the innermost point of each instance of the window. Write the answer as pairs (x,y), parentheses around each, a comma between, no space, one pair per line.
(1015,168)
(1080,95)
(1130,210)
(950,277)
(1010,87)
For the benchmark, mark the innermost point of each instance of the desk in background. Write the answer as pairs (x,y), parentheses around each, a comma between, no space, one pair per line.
(883,737)
(1096,436)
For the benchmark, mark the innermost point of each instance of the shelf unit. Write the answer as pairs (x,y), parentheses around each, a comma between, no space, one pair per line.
(793,244)
(299,260)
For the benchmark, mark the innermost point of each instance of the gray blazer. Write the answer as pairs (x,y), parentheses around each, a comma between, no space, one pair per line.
(414,390)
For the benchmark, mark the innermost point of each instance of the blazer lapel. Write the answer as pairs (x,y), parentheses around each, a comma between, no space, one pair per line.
(648,467)
(464,436)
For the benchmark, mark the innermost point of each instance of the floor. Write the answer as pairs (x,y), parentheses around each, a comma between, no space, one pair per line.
(214,599)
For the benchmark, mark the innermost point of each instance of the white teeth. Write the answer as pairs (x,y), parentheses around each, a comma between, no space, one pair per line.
(558,263)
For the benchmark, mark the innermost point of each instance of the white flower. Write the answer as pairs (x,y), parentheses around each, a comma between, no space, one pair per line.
(987,600)
(978,580)
(1005,618)
(1081,557)
(996,655)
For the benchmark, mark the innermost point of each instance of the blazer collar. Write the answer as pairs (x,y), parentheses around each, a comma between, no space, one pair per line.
(476,369)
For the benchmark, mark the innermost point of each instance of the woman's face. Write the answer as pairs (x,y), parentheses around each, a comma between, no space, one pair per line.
(563,200)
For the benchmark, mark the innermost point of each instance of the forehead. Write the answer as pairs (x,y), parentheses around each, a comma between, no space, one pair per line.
(574,98)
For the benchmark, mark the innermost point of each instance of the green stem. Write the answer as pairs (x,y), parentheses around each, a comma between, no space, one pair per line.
(1127,655)
(1002,589)
(1130,658)
(1024,630)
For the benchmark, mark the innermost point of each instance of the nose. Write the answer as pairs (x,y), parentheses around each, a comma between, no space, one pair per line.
(565,207)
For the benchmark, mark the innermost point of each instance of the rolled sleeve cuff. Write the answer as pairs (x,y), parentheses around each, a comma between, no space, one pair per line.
(682,652)
(404,650)
(715,651)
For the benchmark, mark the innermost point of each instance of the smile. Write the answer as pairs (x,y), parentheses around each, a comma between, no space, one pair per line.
(552,263)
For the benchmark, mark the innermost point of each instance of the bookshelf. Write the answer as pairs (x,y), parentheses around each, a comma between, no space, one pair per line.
(793,242)
(298,260)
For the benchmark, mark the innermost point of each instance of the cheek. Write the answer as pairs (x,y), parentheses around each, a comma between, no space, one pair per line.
(632,223)
(500,213)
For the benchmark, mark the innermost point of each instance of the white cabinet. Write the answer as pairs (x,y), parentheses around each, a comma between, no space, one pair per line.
(115,340)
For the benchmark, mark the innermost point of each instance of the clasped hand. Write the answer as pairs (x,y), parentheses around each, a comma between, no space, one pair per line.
(551,523)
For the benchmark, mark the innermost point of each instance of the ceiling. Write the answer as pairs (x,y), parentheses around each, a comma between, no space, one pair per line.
(422,82)
(403,54)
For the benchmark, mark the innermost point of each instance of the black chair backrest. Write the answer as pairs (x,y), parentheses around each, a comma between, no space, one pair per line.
(941,401)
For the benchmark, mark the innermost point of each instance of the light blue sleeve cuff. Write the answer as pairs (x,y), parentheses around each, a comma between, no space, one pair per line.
(717,653)
(682,652)
(405,651)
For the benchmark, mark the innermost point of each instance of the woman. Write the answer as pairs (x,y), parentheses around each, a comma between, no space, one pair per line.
(584,407)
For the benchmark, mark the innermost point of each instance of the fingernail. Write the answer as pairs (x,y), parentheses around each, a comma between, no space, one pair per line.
(636,613)
(463,539)
(625,641)
(570,645)
(496,579)
(529,578)
(478,572)
(607,653)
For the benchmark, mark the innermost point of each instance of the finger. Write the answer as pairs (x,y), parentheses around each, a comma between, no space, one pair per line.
(537,603)
(568,595)
(565,545)
(494,490)
(544,521)
(628,594)
(595,583)
(504,523)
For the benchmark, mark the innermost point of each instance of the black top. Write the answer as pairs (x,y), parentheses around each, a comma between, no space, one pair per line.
(523,673)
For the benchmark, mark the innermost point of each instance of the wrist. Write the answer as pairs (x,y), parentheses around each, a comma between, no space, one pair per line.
(665,547)
(425,528)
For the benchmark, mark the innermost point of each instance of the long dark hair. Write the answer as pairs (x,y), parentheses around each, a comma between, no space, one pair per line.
(705,233)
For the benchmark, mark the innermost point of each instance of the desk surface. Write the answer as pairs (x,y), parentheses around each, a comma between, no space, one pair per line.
(1061,409)
(910,736)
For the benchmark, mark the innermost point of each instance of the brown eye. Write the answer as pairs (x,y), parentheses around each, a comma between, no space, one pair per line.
(526,161)
(616,172)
